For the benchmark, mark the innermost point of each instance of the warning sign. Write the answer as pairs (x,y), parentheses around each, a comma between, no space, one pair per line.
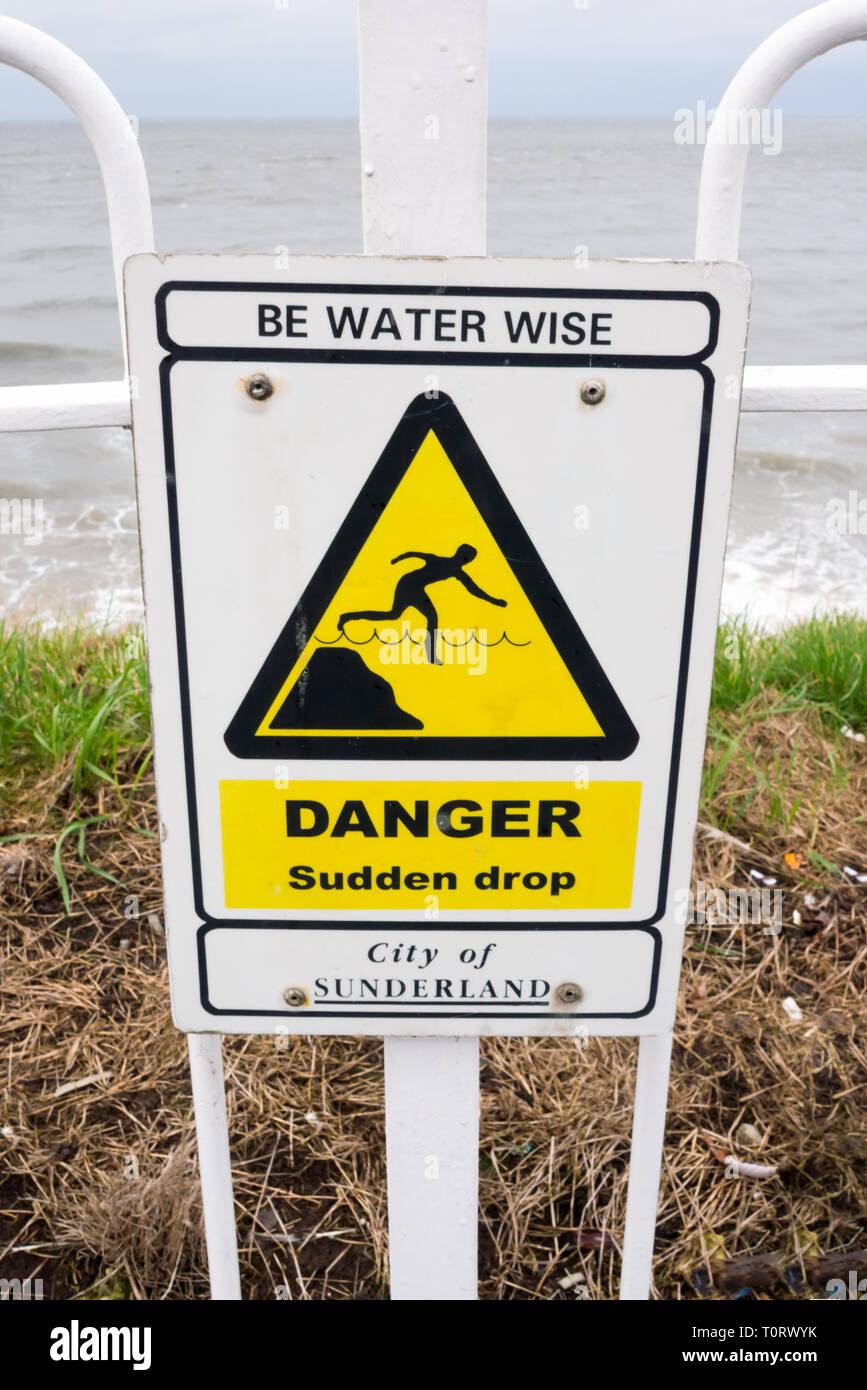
(432,555)
(431,627)
(327,845)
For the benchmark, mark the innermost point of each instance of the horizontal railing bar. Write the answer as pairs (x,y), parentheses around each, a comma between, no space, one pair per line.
(76,406)
(805,388)
(95,404)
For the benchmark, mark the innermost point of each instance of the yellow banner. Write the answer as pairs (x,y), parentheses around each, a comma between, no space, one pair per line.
(428,845)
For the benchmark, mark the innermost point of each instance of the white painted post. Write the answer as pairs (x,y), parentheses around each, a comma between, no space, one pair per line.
(645,1164)
(215,1168)
(423,81)
(423,106)
(432,1142)
(107,403)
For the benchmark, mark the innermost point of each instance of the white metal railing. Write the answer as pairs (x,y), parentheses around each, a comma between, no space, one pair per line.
(129,214)
(721,193)
(107,403)
(766,388)
(753,86)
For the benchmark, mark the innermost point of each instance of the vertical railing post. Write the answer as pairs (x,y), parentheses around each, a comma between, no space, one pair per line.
(215,1168)
(423,76)
(645,1164)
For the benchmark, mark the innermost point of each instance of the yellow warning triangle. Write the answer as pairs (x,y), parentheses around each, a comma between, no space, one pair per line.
(432,628)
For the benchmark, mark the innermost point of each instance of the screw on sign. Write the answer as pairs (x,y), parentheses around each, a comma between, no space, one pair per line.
(592,392)
(259,387)
(569,992)
(295,997)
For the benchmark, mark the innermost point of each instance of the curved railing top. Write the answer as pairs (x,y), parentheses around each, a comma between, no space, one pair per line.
(106,126)
(754,85)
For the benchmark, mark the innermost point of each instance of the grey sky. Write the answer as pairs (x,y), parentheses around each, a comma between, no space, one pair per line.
(297,58)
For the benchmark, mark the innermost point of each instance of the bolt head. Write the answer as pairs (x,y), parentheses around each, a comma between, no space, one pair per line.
(569,993)
(259,387)
(295,996)
(592,392)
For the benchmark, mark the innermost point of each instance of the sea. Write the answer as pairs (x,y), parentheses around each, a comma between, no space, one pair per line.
(798,524)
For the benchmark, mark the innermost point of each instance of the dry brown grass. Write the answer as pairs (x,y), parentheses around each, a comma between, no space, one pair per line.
(99,1196)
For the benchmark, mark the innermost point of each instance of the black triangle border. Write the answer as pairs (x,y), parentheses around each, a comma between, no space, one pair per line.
(440,414)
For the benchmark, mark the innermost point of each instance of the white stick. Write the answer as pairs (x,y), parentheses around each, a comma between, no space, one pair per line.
(423,80)
(212,1134)
(423,103)
(432,1143)
(645,1162)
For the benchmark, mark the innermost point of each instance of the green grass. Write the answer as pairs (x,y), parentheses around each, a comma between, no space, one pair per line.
(819,661)
(817,664)
(73,702)
(74,715)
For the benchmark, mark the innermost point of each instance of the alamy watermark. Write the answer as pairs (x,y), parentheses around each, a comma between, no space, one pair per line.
(739,126)
(20,1290)
(82,1343)
(846,516)
(853,1288)
(714,907)
(443,646)
(23,516)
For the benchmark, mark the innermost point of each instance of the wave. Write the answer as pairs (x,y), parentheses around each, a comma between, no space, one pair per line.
(474,636)
(72,304)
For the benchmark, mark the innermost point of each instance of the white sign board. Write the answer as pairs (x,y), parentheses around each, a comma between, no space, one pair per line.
(432,560)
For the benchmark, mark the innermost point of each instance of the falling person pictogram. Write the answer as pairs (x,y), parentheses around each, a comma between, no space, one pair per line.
(411,592)
(328,688)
